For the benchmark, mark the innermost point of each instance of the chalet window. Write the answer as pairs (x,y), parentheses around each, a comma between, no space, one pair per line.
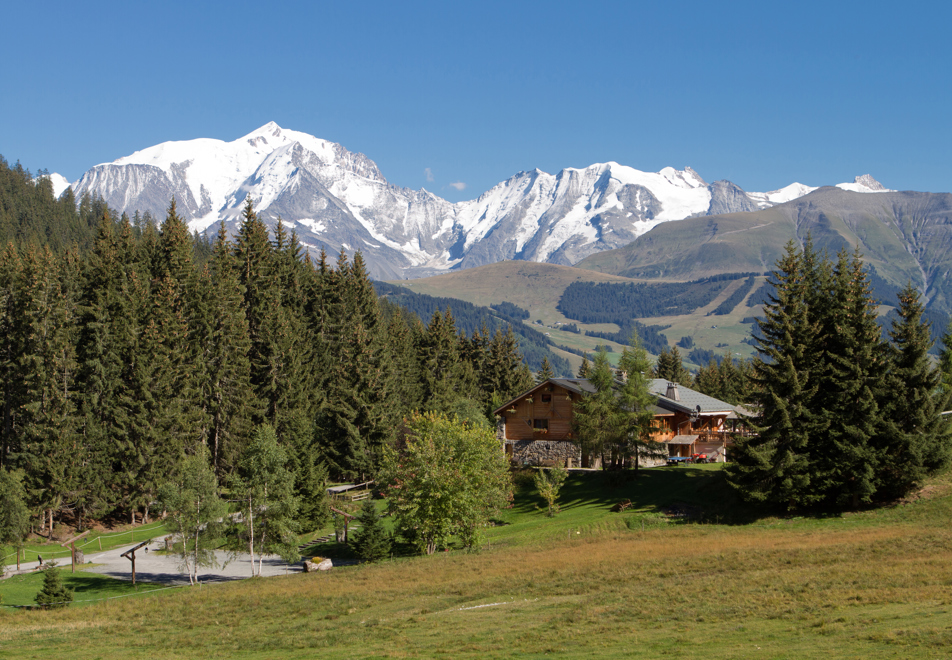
(546,398)
(540,425)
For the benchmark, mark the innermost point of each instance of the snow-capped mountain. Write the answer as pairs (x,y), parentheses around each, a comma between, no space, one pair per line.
(334,198)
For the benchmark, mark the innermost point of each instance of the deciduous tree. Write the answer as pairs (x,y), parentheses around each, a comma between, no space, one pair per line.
(446,478)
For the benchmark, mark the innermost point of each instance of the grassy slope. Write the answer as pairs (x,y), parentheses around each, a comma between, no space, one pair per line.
(865,585)
(538,288)
(535,287)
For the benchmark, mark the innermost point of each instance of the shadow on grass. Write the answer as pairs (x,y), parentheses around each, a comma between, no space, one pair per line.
(701,490)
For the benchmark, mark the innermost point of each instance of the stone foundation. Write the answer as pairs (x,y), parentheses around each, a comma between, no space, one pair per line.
(546,453)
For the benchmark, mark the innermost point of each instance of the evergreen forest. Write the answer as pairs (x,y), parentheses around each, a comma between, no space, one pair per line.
(127,346)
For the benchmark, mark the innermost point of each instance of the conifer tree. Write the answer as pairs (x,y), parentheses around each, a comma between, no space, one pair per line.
(914,441)
(635,406)
(371,541)
(439,362)
(584,368)
(596,420)
(47,369)
(849,377)
(54,593)
(670,367)
(9,351)
(774,465)
(708,380)
(221,333)
(545,371)
(14,514)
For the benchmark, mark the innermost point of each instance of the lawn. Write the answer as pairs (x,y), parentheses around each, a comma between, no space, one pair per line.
(686,572)
(90,544)
(88,588)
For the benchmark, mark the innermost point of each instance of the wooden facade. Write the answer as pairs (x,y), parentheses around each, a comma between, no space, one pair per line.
(536,426)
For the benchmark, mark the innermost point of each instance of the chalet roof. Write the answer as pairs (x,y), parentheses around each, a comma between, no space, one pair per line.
(689,399)
(577,385)
(682,440)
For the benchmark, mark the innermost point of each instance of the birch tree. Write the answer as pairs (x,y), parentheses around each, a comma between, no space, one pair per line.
(195,512)
(269,509)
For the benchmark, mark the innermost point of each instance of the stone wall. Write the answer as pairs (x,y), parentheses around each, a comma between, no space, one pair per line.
(545,453)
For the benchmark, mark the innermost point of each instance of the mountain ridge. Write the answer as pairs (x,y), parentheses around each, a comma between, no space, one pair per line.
(337,199)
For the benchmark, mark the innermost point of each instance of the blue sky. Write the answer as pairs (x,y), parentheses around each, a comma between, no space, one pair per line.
(762,94)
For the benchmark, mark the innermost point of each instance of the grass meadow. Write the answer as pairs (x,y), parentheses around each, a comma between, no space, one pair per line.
(686,572)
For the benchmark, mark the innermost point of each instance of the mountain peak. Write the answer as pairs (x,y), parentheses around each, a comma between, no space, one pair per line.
(864,183)
(867,181)
(271,128)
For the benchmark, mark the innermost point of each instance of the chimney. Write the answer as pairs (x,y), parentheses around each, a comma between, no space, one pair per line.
(672,392)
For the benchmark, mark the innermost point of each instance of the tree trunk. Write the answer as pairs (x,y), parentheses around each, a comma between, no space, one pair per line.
(430,546)
(51,523)
(251,536)
(261,555)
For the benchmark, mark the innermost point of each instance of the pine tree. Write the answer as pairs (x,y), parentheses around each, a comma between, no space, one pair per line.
(774,465)
(371,542)
(635,406)
(54,592)
(914,441)
(545,371)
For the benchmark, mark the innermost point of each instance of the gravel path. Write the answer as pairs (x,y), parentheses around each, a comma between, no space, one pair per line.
(164,569)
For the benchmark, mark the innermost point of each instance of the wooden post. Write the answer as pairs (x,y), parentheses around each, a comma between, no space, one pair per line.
(99,538)
(347,518)
(72,553)
(131,556)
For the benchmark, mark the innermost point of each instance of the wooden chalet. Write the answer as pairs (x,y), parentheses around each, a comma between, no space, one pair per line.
(536,426)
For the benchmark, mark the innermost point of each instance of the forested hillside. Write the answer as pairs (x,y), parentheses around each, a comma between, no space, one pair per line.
(120,361)
(31,215)
(471,318)
(609,302)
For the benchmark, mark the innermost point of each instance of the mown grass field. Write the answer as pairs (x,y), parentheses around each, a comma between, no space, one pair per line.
(717,582)
(89,544)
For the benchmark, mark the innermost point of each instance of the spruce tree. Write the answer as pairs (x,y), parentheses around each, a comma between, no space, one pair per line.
(221,333)
(670,367)
(914,441)
(849,374)
(54,592)
(774,465)
(371,542)
(545,371)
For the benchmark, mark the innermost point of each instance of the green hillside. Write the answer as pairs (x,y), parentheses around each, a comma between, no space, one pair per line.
(904,237)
